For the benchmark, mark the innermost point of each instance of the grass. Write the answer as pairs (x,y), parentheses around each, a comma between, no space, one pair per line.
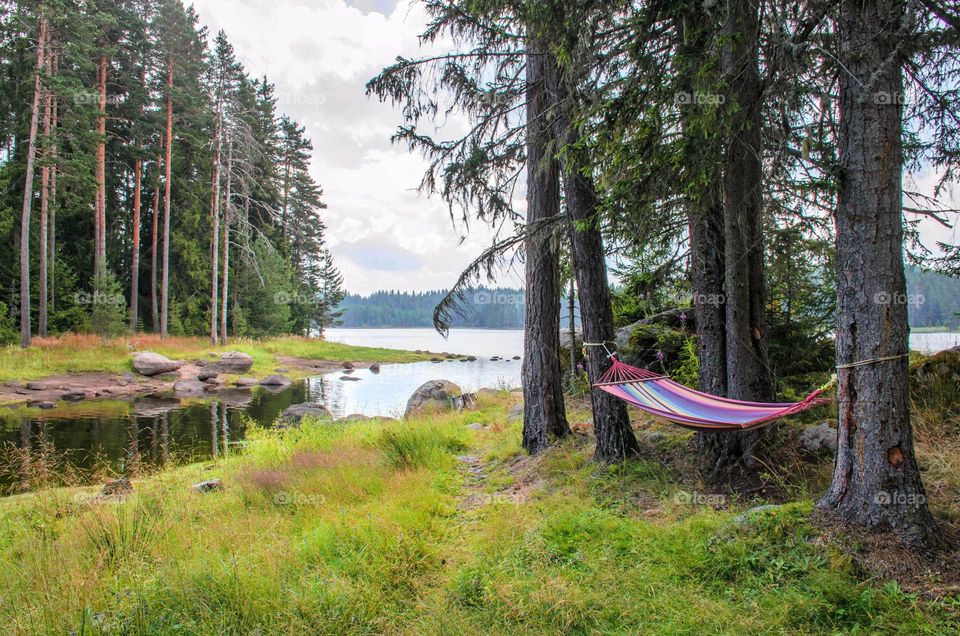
(78,353)
(384,528)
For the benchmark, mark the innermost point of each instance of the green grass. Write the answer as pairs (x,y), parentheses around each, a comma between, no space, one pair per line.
(84,353)
(369,528)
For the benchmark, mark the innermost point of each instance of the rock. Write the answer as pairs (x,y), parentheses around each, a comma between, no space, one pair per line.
(936,380)
(129,377)
(375,367)
(348,365)
(821,438)
(515,414)
(188,388)
(172,376)
(213,382)
(276,380)
(74,396)
(471,358)
(151,364)
(205,375)
(208,486)
(233,362)
(348,371)
(436,395)
(435,360)
(44,405)
(516,357)
(349,378)
(117,487)
(292,415)
(201,363)
(38,386)
(672,318)
(247,381)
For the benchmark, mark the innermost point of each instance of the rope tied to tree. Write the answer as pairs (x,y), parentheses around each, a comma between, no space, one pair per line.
(863,363)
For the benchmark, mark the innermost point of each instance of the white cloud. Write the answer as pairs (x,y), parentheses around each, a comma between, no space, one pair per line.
(320,54)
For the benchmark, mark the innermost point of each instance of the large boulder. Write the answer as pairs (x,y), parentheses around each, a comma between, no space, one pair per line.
(679,318)
(821,438)
(654,346)
(293,415)
(150,364)
(233,362)
(188,388)
(433,396)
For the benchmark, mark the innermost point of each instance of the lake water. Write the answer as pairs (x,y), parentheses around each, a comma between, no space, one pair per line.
(157,430)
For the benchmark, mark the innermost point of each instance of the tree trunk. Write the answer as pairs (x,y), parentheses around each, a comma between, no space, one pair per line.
(227,219)
(215,238)
(876,482)
(572,328)
(52,226)
(165,284)
(611,422)
(100,258)
(45,198)
(135,256)
(25,325)
(544,411)
(748,370)
(154,307)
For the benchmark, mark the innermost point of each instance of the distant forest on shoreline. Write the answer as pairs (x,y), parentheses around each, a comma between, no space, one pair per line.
(934,301)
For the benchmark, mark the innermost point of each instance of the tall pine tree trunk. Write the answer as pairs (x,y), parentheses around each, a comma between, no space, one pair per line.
(165,284)
(154,306)
(611,422)
(544,410)
(25,326)
(45,197)
(747,365)
(135,256)
(52,226)
(227,219)
(215,238)
(876,482)
(100,258)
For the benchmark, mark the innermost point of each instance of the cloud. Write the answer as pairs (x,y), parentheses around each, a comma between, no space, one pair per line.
(320,56)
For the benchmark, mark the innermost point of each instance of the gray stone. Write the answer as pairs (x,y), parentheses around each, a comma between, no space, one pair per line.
(436,395)
(276,380)
(515,414)
(292,415)
(208,486)
(233,362)
(38,386)
(207,374)
(44,405)
(188,388)
(150,364)
(75,396)
(821,438)
(348,365)
(129,377)
(247,381)
(375,367)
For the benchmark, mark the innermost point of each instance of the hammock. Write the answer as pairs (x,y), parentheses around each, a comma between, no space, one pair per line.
(659,395)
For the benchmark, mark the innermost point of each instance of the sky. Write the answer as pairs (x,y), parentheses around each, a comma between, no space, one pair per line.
(320,54)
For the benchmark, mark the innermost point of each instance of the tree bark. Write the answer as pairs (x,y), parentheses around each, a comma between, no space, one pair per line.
(154,307)
(165,284)
(135,256)
(227,219)
(572,317)
(25,326)
(748,374)
(876,482)
(100,258)
(45,197)
(52,227)
(611,422)
(543,406)
(215,236)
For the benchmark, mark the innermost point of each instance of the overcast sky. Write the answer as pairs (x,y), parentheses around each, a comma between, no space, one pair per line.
(320,54)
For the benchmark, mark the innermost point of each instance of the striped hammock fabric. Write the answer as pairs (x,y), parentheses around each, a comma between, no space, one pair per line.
(659,395)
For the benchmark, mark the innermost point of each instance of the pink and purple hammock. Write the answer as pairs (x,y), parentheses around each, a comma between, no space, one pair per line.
(659,395)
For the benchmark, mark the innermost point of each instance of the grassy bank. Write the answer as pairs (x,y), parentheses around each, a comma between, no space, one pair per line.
(431,526)
(85,353)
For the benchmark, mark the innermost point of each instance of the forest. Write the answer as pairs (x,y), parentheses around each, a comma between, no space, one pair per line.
(485,308)
(149,182)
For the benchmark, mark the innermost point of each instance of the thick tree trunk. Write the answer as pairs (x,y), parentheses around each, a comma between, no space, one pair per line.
(611,422)
(52,226)
(165,284)
(544,411)
(748,375)
(135,256)
(876,482)
(25,326)
(572,317)
(154,306)
(227,219)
